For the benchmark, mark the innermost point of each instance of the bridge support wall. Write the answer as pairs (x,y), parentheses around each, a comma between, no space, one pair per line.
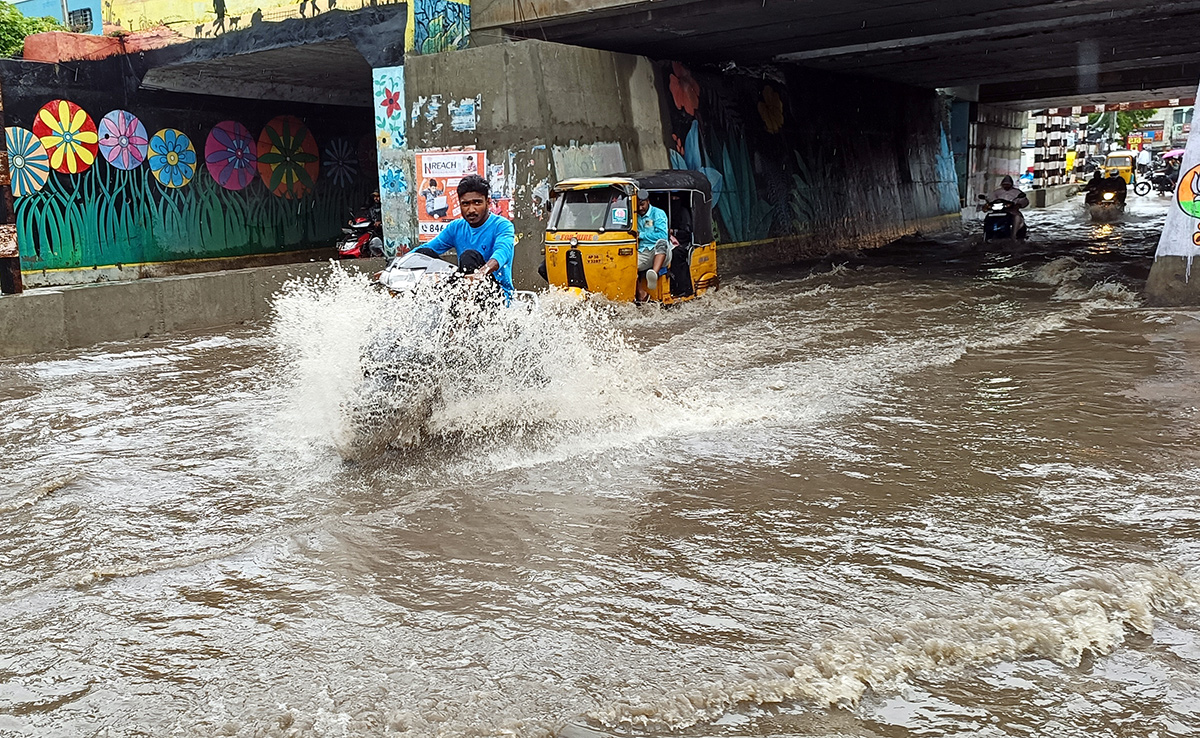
(802,163)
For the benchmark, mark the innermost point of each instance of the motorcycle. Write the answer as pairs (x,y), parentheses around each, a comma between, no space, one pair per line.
(1105,206)
(433,338)
(361,239)
(1000,222)
(1159,181)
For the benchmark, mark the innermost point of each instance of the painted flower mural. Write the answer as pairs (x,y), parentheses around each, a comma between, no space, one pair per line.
(172,158)
(288,159)
(341,161)
(231,155)
(123,140)
(685,90)
(391,102)
(770,109)
(394,182)
(390,120)
(693,158)
(28,162)
(69,135)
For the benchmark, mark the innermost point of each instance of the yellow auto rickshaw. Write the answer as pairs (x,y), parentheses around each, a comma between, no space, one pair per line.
(1124,162)
(591,240)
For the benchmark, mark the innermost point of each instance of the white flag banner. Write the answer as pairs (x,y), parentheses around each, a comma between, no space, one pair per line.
(1181,234)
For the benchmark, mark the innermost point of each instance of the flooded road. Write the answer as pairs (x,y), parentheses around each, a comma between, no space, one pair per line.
(925,491)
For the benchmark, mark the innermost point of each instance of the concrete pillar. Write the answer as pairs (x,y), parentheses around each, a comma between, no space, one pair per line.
(10,256)
(394,159)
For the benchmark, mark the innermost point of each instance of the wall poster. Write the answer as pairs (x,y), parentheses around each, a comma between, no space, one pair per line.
(438,174)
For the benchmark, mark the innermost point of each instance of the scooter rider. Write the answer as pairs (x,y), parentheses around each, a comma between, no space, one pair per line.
(1010,194)
(483,240)
(1114,182)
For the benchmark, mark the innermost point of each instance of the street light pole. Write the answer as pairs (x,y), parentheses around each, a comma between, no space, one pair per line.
(66,15)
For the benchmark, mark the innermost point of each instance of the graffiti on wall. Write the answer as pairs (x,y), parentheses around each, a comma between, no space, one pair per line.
(208,18)
(437,25)
(89,195)
(777,170)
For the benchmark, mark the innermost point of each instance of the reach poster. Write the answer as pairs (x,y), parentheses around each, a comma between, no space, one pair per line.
(438,174)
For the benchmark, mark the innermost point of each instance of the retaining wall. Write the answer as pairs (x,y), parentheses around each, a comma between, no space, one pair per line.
(50,319)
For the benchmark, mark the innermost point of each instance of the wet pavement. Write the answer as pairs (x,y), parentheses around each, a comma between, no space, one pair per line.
(938,489)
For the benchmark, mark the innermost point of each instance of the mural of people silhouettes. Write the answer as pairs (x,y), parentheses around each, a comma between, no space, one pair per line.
(216,17)
(219,11)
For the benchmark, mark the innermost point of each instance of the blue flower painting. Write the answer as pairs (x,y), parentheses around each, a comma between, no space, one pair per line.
(172,158)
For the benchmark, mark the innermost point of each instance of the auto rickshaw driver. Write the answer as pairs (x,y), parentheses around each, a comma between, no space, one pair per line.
(653,247)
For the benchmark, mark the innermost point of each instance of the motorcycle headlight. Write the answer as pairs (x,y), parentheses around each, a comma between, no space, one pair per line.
(1109,195)
(997,206)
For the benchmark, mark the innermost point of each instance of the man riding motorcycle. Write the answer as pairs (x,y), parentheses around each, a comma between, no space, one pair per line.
(1017,200)
(483,240)
(1113,183)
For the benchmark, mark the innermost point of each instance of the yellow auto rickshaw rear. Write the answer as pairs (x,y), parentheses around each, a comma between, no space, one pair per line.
(1123,162)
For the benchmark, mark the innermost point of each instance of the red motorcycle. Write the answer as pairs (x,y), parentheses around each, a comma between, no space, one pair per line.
(362,240)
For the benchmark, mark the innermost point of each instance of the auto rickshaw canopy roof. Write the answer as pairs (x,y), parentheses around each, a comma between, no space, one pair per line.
(659,180)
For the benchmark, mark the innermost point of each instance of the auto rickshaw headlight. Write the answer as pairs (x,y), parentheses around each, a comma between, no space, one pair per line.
(574,241)
(1109,195)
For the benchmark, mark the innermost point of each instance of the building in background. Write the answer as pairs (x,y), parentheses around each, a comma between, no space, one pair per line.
(83,16)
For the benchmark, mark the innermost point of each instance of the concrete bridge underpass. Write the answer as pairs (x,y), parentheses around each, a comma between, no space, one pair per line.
(1045,53)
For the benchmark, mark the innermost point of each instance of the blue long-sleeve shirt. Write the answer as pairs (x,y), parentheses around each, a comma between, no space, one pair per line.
(652,228)
(495,238)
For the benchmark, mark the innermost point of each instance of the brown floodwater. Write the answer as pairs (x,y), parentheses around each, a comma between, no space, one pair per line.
(931,490)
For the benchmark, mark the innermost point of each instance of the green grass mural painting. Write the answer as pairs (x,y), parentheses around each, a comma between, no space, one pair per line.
(108,215)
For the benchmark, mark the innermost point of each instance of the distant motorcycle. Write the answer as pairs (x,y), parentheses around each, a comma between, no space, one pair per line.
(361,240)
(1105,206)
(1159,181)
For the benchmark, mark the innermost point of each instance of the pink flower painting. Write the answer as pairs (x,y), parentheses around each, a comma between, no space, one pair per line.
(123,140)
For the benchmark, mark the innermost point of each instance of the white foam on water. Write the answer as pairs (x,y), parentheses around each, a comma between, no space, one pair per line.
(566,380)
(1090,615)
(1060,271)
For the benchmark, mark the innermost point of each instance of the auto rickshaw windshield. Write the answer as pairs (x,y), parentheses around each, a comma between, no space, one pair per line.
(596,209)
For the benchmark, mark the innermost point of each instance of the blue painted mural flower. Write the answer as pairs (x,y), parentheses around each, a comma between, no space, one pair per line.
(394,182)
(172,158)
(28,162)
(693,158)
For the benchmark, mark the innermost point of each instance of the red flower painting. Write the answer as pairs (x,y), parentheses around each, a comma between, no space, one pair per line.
(685,90)
(391,102)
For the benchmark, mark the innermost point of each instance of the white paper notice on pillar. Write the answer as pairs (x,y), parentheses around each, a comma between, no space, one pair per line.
(1181,234)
